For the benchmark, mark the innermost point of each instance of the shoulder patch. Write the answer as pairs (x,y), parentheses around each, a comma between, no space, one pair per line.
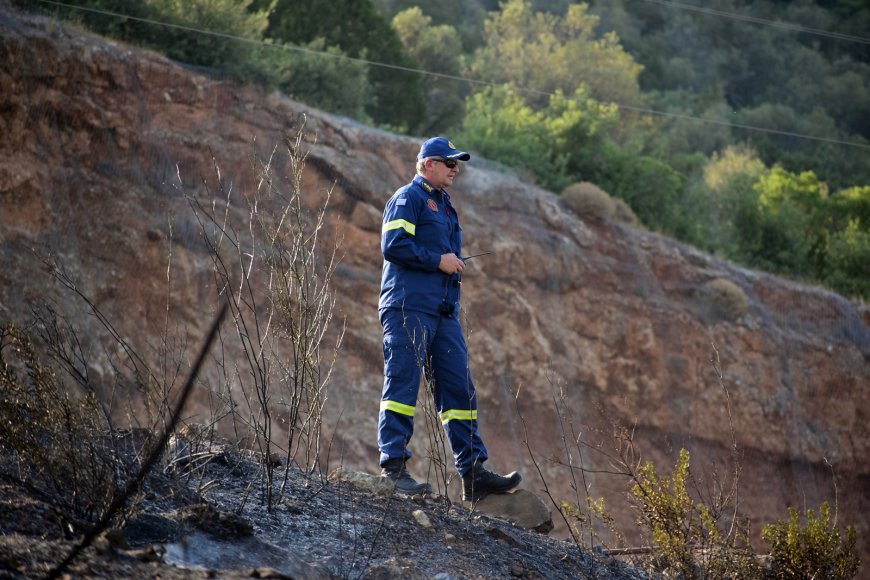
(401,200)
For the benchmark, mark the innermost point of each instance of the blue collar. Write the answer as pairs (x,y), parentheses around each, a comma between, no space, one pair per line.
(429,188)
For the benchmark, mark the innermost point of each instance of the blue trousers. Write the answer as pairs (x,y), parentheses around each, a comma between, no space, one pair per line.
(416,342)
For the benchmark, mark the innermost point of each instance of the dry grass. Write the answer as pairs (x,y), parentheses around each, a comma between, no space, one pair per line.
(622,212)
(727,298)
(589,201)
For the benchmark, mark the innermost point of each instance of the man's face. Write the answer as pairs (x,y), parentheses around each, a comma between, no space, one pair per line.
(440,175)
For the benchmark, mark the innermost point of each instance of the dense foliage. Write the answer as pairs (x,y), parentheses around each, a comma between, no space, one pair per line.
(732,84)
(168,26)
(701,538)
(360,31)
(757,149)
(812,550)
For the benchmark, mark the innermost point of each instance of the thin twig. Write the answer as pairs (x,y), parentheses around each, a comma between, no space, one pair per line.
(152,458)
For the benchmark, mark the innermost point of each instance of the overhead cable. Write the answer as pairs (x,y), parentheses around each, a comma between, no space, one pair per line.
(764,21)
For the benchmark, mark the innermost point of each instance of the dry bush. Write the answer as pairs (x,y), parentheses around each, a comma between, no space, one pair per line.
(727,298)
(274,270)
(51,440)
(589,201)
(622,212)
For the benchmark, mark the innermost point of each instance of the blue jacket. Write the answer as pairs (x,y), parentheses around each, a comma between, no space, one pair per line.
(419,226)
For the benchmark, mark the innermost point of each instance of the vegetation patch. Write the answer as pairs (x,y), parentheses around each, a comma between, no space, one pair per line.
(589,201)
(727,298)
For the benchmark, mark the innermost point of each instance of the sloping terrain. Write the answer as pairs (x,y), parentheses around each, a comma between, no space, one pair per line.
(103,145)
(208,521)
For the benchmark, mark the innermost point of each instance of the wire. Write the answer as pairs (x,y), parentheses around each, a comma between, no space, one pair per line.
(764,21)
(471,81)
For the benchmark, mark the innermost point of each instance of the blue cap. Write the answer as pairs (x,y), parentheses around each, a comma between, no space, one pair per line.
(441,147)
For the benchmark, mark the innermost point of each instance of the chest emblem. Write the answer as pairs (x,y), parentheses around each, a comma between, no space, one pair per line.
(432,204)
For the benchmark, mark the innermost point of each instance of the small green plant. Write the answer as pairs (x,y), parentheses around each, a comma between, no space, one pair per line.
(589,201)
(582,520)
(814,550)
(686,532)
(666,510)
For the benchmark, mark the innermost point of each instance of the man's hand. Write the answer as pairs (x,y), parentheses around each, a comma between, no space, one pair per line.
(451,264)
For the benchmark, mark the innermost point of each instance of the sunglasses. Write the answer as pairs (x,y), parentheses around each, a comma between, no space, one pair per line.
(450,163)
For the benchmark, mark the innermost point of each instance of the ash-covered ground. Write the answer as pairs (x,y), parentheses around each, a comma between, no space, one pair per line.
(206,517)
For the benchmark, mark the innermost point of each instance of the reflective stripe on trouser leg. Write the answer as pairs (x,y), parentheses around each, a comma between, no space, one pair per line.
(402,366)
(455,395)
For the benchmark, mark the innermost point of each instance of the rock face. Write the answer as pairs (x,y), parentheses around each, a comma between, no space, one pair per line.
(576,330)
(521,507)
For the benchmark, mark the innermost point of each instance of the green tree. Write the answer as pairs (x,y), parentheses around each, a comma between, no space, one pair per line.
(848,260)
(545,145)
(542,53)
(785,231)
(200,32)
(464,16)
(435,49)
(652,188)
(805,191)
(729,178)
(582,140)
(851,204)
(360,31)
(765,76)
(501,126)
(224,17)
(804,195)
(320,78)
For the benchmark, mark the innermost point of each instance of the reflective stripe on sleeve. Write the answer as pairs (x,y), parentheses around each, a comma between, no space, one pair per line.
(399,408)
(403,224)
(460,414)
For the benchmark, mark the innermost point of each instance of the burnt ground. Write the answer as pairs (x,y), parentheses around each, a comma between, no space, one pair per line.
(208,519)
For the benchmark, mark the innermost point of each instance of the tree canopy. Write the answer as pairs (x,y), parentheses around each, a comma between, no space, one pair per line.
(360,31)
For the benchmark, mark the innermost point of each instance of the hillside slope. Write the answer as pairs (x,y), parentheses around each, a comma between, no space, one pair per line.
(611,324)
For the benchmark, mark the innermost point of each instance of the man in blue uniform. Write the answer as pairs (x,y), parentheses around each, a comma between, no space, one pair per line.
(419,309)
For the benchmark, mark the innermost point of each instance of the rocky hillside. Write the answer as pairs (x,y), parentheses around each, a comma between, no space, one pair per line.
(606,323)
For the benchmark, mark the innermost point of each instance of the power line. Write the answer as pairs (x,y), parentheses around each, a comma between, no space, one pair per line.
(764,21)
(642,110)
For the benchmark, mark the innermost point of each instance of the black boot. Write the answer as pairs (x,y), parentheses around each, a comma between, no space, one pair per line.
(480,482)
(396,471)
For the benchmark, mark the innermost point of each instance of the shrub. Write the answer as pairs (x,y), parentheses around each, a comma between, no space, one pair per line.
(320,77)
(50,440)
(812,551)
(651,187)
(500,125)
(622,212)
(686,532)
(179,41)
(556,144)
(360,31)
(284,290)
(848,261)
(589,201)
(727,298)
